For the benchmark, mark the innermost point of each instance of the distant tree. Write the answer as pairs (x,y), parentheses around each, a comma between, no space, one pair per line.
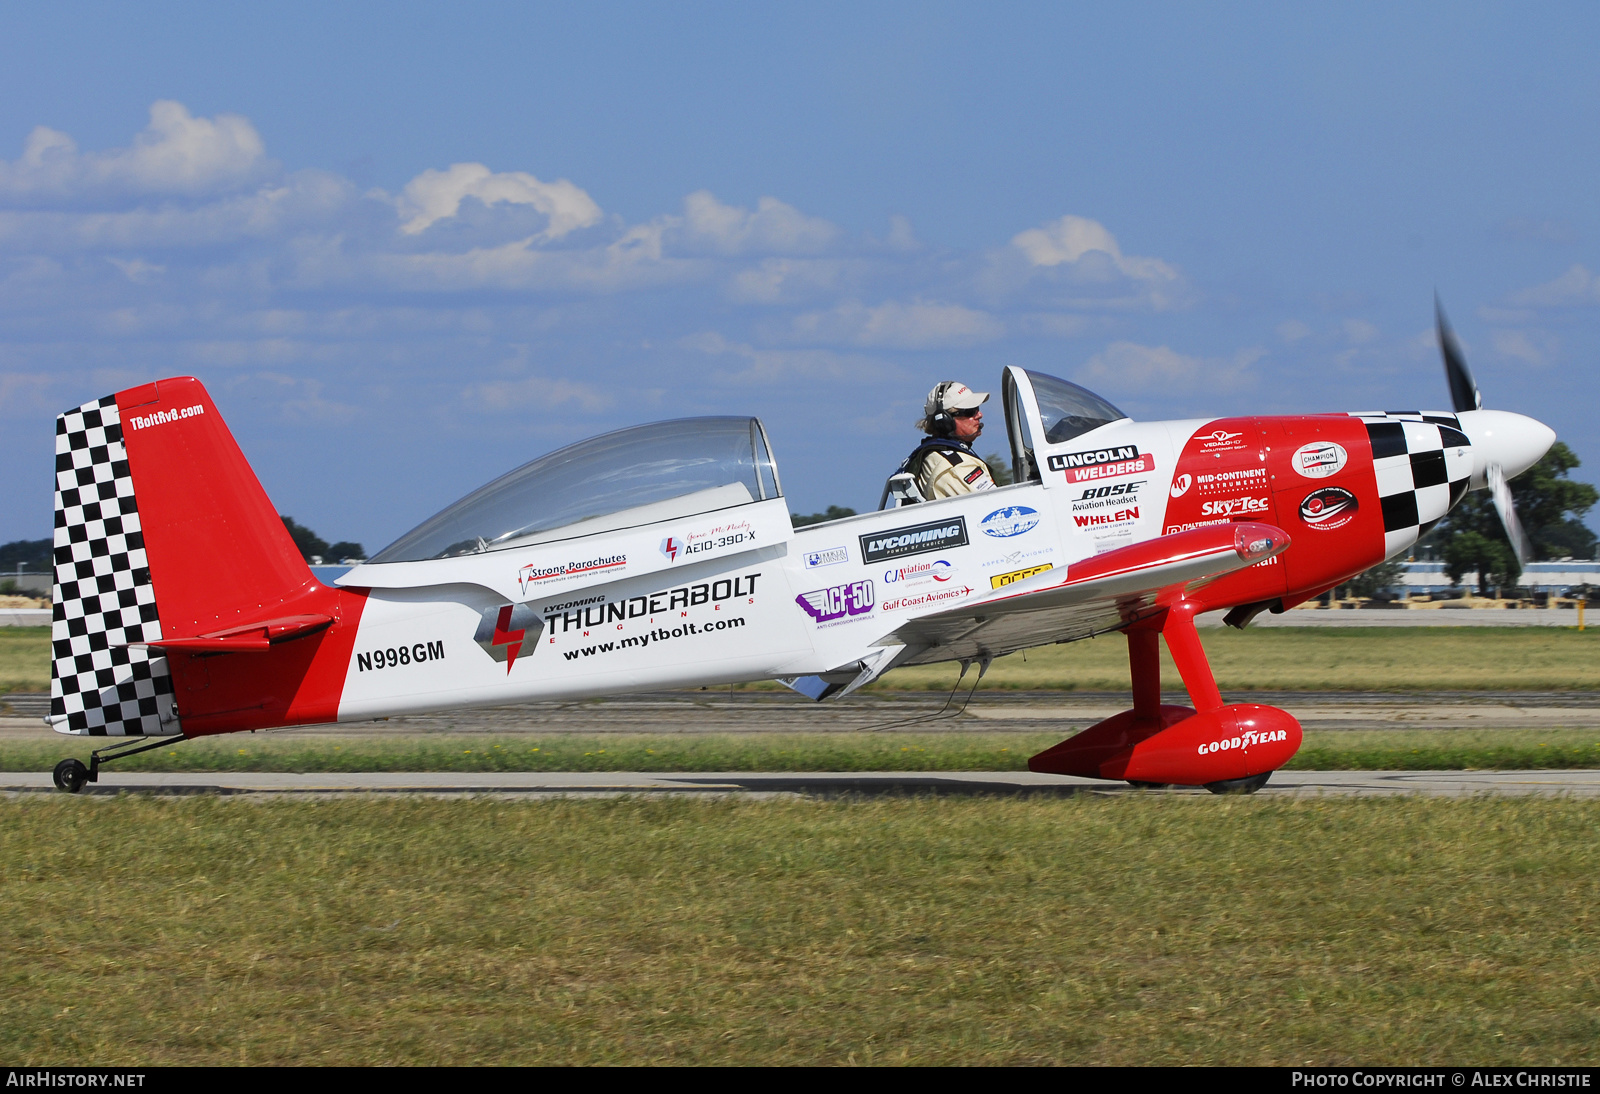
(33,555)
(834,512)
(1549,504)
(999,469)
(345,549)
(1371,583)
(306,541)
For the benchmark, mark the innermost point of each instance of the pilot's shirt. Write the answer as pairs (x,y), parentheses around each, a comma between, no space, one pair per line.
(948,468)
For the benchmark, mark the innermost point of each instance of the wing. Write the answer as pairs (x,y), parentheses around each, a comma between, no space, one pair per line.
(1092,596)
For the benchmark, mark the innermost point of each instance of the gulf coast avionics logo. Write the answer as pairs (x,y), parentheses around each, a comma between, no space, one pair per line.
(1102,463)
(1328,508)
(1319,459)
(837,601)
(504,630)
(1010,521)
(916,539)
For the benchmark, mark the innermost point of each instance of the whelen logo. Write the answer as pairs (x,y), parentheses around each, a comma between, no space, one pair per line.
(1102,463)
(1328,508)
(916,540)
(1121,516)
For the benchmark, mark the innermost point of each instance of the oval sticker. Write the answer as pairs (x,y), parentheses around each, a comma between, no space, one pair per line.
(1320,459)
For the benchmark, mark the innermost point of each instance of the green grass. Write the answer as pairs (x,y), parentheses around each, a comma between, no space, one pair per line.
(1414,750)
(1314,659)
(24,659)
(1290,659)
(1135,930)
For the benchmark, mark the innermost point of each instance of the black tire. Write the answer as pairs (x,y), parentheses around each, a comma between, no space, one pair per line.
(71,775)
(1248,785)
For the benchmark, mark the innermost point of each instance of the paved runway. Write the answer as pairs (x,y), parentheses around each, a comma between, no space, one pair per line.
(1295,784)
(721,711)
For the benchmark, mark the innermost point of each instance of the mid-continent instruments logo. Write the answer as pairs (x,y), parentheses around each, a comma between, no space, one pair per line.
(1319,459)
(1102,463)
(838,601)
(914,540)
(1328,508)
(1180,485)
(1000,581)
(1010,521)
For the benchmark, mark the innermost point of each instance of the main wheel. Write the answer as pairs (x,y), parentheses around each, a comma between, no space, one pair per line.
(70,776)
(1248,785)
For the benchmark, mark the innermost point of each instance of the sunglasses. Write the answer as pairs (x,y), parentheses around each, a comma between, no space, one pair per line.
(964,413)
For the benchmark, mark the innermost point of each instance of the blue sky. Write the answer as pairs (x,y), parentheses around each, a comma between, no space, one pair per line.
(409,247)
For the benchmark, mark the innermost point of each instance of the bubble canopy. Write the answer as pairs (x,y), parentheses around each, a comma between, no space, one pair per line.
(624,479)
(1067,410)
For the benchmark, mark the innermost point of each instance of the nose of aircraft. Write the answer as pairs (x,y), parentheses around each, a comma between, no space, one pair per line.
(1514,441)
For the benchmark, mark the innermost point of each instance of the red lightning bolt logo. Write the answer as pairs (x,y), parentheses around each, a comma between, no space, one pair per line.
(511,640)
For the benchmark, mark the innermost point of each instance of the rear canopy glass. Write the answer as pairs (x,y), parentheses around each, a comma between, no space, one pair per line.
(618,480)
(1067,410)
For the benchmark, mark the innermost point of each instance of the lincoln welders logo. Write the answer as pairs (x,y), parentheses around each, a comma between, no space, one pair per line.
(503,631)
(915,540)
(1328,508)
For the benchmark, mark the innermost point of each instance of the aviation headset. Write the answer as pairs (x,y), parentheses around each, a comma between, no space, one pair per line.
(941,423)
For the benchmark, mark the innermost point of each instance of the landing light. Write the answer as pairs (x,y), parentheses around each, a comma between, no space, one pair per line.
(1252,544)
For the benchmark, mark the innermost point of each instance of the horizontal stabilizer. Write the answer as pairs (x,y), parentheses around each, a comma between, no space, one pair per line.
(248,638)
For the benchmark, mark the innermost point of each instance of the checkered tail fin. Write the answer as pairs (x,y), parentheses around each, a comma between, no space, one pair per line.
(161,531)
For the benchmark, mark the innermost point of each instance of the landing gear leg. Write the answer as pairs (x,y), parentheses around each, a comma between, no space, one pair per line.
(71,775)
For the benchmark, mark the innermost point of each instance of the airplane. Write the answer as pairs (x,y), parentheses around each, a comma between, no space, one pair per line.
(663,556)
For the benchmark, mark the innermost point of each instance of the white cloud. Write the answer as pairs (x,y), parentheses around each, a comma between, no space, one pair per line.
(1130,368)
(1529,347)
(177,153)
(774,366)
(504,395)
(1576,286)
(437,195)
(1072,239)
(773,228)
(1292,330)
(1359,332)
(786,280)
(920,324)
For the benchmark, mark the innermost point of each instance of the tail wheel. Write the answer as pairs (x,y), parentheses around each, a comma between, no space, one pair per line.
(1248,785)
(71,775)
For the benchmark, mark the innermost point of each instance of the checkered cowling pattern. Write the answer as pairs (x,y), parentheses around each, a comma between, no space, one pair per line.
(1423,463)
(100,685)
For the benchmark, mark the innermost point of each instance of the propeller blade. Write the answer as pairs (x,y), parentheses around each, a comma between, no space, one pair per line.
(1500,490)
(1463,388)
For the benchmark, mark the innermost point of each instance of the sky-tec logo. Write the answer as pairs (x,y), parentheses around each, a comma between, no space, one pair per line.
(1233,506)
(1010,521)
(1102,463)
(826,605)
(916,540)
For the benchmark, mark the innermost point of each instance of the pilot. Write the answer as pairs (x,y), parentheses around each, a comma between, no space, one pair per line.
(944,463)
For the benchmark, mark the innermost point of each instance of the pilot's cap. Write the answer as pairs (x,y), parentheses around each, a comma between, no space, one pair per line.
(950,395)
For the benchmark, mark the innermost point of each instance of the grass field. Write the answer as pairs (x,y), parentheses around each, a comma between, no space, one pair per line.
(1140,930)
(1295,658)
(1357,750)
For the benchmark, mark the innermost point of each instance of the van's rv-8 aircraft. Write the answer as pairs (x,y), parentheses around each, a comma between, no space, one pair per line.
(662,556)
